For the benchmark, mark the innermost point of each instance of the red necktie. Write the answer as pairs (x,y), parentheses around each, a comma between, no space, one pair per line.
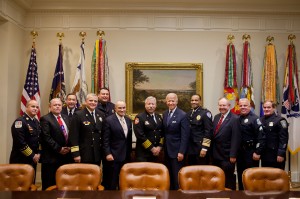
(61,124)
(219,124)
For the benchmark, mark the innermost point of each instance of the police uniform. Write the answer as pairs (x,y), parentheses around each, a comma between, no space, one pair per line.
(148,132)
(276,128)
(201,126)
(107,109)
(253,140)
(25,133)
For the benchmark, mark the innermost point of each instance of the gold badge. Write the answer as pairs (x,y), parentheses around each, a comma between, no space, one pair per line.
(86,123)
(198,117)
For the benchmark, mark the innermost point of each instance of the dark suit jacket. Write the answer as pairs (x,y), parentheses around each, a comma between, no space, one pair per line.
(85,136)
(114,140)
(177,133)
(65,110)
(108,110)
(53,139)
(226,142)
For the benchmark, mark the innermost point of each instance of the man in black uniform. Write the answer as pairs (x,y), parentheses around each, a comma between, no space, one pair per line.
(253,139)
(148,131)
(201,132)
(25,133)
(104,105)
(85,132)
(70,108)
(276,128)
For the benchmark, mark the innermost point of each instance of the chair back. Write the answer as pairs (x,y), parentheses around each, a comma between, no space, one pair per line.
(144,176)
(78,176)
(262,179)
(16,177)
(201,177)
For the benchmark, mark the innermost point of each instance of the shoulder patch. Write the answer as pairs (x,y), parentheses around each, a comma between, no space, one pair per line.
(18,124)
(284,124)
(208,114)
(258,121)
(136,120)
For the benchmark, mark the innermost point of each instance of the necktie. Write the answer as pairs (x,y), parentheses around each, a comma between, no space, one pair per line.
(124,126)
(61,124)
(219,124)
(169,117)
(70,113)
(153,118)
(92,114)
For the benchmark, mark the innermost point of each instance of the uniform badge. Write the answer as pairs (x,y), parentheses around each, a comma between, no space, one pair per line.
(18,124)
(208,114)
(198,117)
(146,123)
(136,120)
(258,122)
(271,124)
(283,124)
(86,123)
(100,118)
(246,120)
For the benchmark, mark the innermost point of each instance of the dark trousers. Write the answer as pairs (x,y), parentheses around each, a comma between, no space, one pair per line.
(197,160)
(111,171)
(48,174)
(228,168)
(245,161)
(275,164)
(174,166)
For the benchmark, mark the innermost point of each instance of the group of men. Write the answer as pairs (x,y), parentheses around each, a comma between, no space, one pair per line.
(102,133)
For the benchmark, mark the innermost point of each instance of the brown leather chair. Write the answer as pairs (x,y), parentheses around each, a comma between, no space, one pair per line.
(78,177)
(144,176)
(17,177)
(265,179)
(201,178)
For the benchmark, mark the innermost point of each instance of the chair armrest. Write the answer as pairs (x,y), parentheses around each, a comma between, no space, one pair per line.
(51,188)
(100,188)
(33,187)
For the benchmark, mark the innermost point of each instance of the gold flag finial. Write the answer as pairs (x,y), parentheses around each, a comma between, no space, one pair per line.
(82,35)
(100,33)
(34,34)
(60,35)
(230,38)
(270,39)
(246,37)
(291,38)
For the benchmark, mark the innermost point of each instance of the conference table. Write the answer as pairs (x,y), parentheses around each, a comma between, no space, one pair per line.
(146,195)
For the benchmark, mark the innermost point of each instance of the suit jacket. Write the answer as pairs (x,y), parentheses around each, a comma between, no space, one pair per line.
(85,136)
(114,140)
(108,109)
(226,142)
(53,139)
(177,133)
(65,110)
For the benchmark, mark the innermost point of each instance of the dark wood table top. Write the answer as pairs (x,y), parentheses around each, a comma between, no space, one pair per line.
(157,194)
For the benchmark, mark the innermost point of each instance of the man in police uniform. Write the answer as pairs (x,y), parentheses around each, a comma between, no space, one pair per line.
(201,132)
(25,133)
(148,131)
(104,105)
(85,133)
(276,128)
(253,139)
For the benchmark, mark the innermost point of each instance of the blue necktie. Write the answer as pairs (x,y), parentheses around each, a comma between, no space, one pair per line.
(169,117)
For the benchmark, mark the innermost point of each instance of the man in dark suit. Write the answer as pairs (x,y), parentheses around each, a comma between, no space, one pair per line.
(54,140)
(226,142)
(117,145)
(177,131)
(85,133)
(104,105)
(70,107)
(148,131)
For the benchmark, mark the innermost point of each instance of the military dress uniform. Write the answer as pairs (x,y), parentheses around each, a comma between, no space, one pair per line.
(148,132)
(25,133)
(201,126)
(253,141)
(277,135)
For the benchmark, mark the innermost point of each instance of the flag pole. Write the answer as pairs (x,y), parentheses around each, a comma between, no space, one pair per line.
(34,34)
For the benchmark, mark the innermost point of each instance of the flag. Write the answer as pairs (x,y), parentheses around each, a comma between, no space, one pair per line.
(247,75)
(58,89)
(270,84)
(290,102)
(31,90)
(99,66)
(230,83)
(80,88)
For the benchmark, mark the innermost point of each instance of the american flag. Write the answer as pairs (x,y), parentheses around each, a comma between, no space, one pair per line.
(31,88)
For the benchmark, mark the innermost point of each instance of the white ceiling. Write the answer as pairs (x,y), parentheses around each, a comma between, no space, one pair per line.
(223,6)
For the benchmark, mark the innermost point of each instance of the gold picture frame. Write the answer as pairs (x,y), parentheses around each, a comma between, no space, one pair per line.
(157,79)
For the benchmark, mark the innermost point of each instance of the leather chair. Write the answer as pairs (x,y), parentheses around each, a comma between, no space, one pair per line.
(201,178)
(265,179)
(78,177)
(144,176)
(17,177)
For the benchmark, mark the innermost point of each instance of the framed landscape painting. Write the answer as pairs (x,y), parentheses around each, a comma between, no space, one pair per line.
(159,79)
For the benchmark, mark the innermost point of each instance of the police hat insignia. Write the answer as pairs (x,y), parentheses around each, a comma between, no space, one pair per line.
(198,117)
(136,121)
(246,120)
(18,124)
(283,124)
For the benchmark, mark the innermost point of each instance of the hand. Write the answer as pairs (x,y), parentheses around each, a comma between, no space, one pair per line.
(36,158)
(256,156)
(154,151)
(64,150)
(280,159)
(180,157)
(77,159)
(232,160)
(202,153)
(109,157)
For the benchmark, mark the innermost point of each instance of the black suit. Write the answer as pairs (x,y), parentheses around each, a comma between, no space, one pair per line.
(85,136)
(52,139)
(65,112)
(119,146)
(107,109)
(226,143)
